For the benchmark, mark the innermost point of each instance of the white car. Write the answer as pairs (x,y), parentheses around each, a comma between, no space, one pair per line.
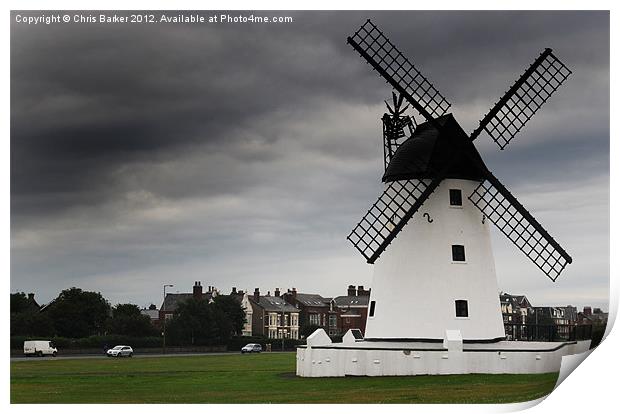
(250,348)
(120,351)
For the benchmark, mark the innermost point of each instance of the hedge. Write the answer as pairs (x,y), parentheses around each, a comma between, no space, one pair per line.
(17,342)
(233,344)
(237,342)
(598,331)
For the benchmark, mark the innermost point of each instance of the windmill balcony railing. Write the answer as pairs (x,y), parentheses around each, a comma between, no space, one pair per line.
(547,333)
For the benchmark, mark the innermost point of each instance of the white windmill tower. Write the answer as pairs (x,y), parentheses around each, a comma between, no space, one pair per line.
(438,276)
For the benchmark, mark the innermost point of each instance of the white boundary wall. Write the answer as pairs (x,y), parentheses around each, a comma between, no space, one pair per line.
(452,357)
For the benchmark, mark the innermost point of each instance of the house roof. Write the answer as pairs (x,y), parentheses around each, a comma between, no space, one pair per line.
(427,152)
(602,317)
(312,299)
(352,301)
(515,300)
(172,300)
(151,313)
(274,304)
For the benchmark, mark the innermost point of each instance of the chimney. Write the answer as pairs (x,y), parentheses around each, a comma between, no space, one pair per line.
(256,294)
(197,290)
(234,291)
(587,311)
(31,296)
(360,290)
(277,292)
(294,292)
(351,290)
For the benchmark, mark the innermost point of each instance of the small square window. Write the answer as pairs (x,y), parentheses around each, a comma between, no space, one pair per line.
(461,308)
(372,308)
(458,253)
(456,198)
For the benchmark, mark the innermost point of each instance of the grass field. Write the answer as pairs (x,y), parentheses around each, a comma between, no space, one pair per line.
(264,378)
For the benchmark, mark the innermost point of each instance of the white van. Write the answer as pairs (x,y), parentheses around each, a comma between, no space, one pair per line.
(40,348)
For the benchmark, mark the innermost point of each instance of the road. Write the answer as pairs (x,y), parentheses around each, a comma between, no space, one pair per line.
(100,356)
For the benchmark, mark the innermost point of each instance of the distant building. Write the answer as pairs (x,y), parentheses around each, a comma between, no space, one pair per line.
(550,315)
(243,299)
(172,300)
(314,309)
(237,294)
(570,313)
(272,316)
(516,309)
(590,317)
(351,311)
(334,315)
(32,304)
(153,313)
(246,305)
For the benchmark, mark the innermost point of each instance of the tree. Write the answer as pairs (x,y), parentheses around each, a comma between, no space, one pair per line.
(19,302)
(128,320)
(26,318)
(32,324)
(230,315)
(78,314)
(193,323)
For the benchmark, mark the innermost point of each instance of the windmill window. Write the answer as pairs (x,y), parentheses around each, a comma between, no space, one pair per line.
(458,253)
(372,308)
(456,198)
(461,308)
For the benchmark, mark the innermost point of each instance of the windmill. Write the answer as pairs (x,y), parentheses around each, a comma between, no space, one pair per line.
(441,267)
(434,305)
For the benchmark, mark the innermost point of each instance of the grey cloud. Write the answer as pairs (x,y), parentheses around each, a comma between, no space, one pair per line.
(242,155)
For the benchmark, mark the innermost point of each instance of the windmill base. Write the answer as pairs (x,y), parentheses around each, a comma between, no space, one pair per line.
(359,357)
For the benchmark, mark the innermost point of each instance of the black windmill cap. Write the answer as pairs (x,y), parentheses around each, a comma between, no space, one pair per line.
(428,152)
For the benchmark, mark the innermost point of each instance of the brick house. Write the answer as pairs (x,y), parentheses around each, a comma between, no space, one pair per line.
(314,309)
(271,316)
(516,309)
(544,315)
(350,311)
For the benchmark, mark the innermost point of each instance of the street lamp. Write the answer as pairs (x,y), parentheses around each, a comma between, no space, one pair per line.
(164,313)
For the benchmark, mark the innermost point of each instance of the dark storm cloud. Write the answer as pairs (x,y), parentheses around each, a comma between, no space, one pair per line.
(141,152)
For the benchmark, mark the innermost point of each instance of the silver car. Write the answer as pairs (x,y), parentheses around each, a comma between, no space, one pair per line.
(120,351)
(251,348)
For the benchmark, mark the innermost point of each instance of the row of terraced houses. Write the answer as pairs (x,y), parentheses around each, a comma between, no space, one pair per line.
(292,314)
(282,314)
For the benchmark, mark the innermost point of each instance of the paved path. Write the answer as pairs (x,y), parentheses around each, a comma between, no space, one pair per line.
(101,356)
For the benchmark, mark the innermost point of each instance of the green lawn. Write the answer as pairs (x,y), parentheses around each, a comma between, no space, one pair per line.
(264,378)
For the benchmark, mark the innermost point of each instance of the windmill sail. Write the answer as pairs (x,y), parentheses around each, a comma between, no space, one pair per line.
(389,214)
(523,99)
(397,70)
(521,228)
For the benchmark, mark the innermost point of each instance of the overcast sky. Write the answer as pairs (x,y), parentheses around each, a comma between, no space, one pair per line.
(242,155)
